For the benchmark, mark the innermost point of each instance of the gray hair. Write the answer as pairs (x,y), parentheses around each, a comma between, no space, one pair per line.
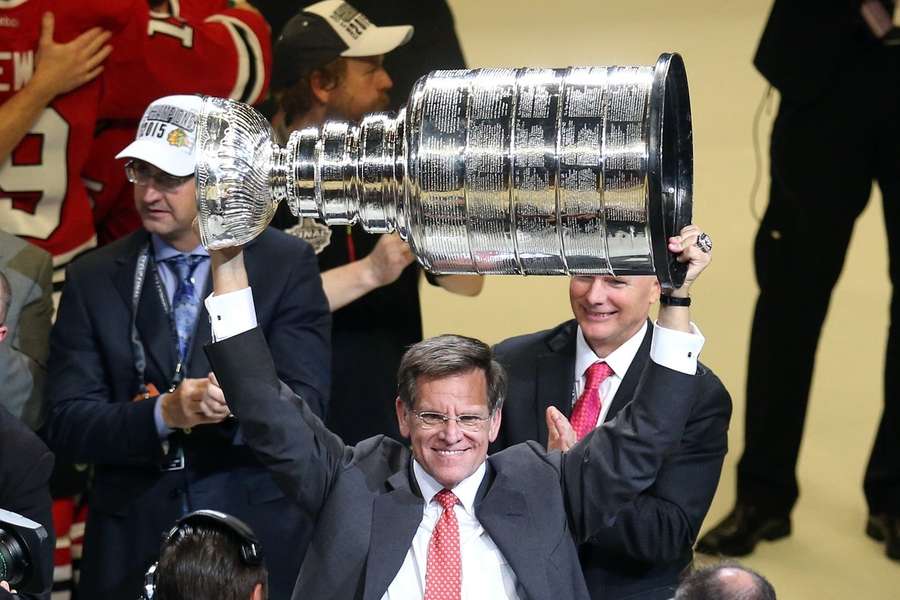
(5,297)
(447,355)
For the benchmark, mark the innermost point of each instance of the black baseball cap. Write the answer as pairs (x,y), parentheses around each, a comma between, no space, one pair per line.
(324,31)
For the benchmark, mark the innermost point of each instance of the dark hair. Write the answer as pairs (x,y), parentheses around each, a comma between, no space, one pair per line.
(204,563)
(297,99)
(447,355)
(5,297)
(707,583)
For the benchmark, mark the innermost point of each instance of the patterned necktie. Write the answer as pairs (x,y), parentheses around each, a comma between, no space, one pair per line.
(185,301)
(587,408)
(443,573)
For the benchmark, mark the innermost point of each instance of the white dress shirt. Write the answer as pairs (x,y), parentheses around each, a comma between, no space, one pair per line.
(231,314)
(684,359)
(485,572)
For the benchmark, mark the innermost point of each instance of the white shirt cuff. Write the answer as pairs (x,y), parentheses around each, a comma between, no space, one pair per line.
(677,350)
(231,313)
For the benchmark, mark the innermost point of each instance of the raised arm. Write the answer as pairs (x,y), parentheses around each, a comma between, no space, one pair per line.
(382,266)
(613,464)
(277,424)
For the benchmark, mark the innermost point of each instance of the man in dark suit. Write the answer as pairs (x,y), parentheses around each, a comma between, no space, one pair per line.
(837,68)
(129,387)
(25,467)
(441,517)
(641,554)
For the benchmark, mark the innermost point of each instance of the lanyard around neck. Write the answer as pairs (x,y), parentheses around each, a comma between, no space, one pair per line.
(144,263)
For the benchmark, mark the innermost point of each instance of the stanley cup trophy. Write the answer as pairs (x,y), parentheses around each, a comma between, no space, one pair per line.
(579,171)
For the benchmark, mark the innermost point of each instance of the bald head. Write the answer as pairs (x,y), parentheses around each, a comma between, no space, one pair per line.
(725,581)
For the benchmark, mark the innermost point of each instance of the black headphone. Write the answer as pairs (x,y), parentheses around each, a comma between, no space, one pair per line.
(251,550)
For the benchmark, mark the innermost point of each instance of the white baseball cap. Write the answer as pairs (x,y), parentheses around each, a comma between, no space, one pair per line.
(166,135)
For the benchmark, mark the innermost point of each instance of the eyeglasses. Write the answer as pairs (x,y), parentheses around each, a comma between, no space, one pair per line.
(139,172)
(430,420)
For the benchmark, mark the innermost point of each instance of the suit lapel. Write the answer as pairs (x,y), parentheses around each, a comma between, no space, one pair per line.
(626,390)
(396,516)
(154,330)
(555,377)
(503,512)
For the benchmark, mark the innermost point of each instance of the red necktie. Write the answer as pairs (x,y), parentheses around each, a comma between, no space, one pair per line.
(443,573)
(587,408)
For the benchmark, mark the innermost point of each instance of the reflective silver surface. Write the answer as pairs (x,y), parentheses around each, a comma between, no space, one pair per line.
(585,170)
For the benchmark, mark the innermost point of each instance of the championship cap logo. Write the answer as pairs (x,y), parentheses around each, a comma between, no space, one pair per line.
(177,137)
(166,135)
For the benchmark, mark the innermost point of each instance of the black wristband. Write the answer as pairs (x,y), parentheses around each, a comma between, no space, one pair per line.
(673,301)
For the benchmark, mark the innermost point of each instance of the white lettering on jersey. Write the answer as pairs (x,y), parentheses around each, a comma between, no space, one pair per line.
(23,68)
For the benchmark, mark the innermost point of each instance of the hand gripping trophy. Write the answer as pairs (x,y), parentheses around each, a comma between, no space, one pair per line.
(580,171)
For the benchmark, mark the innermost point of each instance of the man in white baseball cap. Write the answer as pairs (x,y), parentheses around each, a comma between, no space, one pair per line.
(129,381)
(162,169)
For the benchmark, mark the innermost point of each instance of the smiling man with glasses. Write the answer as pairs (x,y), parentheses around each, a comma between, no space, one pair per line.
(439,518)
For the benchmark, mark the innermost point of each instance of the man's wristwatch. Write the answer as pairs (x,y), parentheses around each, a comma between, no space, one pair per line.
(673,301)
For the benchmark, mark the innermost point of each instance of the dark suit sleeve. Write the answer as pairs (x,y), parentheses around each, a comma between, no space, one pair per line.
(86,423)
(615,462)
(662,523)
(26,468)
(303,456)
(299,330)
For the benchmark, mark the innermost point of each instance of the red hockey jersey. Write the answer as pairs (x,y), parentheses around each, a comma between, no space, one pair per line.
(42,198)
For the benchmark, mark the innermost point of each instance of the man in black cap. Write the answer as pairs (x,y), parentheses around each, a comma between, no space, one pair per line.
(328,64)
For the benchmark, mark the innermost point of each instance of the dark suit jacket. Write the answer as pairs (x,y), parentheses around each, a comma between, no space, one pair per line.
(642,554)
(25,467)
(807,42)
(93,418)
(535,505)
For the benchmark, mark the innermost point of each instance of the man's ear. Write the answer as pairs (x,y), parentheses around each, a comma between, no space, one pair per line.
(401,417)
(655,291)
(494,430)
(3,331)
(317,86)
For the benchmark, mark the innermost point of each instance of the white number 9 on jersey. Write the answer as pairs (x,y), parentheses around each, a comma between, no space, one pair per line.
(46,179)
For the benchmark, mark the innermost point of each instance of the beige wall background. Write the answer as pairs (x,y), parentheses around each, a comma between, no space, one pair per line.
(828,556)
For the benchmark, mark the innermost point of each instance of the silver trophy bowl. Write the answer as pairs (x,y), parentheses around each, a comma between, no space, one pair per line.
(578,171)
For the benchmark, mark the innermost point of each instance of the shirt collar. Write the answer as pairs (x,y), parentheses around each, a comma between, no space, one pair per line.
(465,490)
(163,250)
(618,360)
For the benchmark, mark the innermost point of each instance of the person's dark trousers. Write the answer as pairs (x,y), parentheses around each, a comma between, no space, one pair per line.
(825,155)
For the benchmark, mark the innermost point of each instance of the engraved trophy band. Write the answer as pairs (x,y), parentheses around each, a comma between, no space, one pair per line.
(536,171)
